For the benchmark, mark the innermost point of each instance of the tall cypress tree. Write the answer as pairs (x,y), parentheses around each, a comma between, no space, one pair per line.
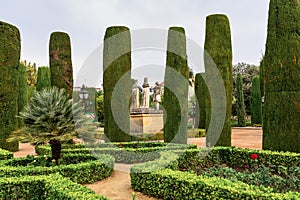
(61,61)
(43,78)
(281,127)
(201,91)
(241,109)
(10,47)
(117,69)
(23,90)
(176,87)
(255,101)
(218,46)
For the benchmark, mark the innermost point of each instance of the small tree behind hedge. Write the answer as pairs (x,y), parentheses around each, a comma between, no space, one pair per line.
(61,62)
(176,87)
(43,78)
(201,91)
(241,110)
(23,90)
(10,47)
(218,46)
(117,69)
(255,102)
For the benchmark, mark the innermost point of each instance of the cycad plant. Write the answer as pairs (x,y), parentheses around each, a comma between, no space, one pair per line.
(48,118)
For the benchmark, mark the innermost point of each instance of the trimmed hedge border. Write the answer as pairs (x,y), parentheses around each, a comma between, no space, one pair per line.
(87,169)
(4,154)
(52,186)
(122,155)
(170,183)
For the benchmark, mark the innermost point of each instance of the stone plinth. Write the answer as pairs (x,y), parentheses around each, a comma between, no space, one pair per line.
(146,121)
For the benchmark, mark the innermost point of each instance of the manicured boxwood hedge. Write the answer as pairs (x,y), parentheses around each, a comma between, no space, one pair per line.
(150,179)
(4,154)
(122,154)
(50,187)
(86,168)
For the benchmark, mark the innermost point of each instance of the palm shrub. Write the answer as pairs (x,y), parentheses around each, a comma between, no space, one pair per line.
(61,61)
(176,87)
(49,117)
(43,78)
(218,47)
(241,110)
(10,47)
(255,101)
(281,127)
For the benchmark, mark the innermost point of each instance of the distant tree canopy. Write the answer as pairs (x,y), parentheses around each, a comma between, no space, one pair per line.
(247,71)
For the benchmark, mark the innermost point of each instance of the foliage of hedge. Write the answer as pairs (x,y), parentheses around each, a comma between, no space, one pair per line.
(49,187)
(122,154)
(176,88)
(86,168)
(4,154)
(117,68)
(282,77)
(201,91)
(218,46)
(151,179)
(255,101)
(10,47)
(169,184)
(43,78)
(238,157)
(241,109)
(61,61)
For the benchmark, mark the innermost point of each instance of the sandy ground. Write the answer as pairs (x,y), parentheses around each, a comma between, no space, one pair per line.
(117,186)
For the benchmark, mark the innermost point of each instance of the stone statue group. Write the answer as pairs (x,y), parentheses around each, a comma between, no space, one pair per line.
(145,89)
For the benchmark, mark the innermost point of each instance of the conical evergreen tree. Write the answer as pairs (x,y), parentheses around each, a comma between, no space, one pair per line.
(23,90)
(10,48)
(255,102)
(241,109)
(43,78)
(201,91)
(61,61)
(176,88)
(117,70)
(218,46)
(281,127)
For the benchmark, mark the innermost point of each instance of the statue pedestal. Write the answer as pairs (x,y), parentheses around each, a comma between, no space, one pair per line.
(146,121)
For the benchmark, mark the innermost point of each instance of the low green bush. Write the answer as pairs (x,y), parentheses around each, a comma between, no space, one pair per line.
(84,168)
(170,184)
(151,178)
(4,154)
(50,187)
(128,153)
(237,157)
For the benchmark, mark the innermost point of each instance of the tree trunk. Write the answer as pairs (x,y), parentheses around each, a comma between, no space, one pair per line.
(56,150)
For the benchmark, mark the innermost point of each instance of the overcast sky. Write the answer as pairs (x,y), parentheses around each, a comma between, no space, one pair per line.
(86,20)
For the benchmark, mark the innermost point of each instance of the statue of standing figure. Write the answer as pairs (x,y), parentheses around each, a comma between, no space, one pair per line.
(157,95)
(146,94)
(135,96)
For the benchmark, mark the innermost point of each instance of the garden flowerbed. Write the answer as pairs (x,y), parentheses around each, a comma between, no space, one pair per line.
(80,168)
(222,172)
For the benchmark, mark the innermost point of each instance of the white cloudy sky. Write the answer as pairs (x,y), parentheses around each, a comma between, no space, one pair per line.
(86,20)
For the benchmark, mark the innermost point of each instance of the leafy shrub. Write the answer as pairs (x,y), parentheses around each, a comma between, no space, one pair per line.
(4,154)
(85,168)
(53,186)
